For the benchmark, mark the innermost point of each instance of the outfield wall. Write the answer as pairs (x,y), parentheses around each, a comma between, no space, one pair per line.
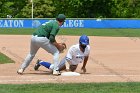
(73,23)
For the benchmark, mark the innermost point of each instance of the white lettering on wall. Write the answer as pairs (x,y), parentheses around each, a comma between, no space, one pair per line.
(70,22)
(0,23)
(5,24)
(81,23)
(11,23)
(74,23)
(15,23)
(21,23)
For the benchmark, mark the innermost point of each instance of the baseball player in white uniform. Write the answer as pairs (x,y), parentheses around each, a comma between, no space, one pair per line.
(76,54)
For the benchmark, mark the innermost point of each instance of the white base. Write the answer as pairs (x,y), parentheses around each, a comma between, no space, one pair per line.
(70,74)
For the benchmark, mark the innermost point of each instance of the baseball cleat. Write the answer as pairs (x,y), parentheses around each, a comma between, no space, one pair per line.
(56,72)
(20,71)
(37,65)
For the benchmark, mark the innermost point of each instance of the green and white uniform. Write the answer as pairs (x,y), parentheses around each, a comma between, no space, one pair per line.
(43,37)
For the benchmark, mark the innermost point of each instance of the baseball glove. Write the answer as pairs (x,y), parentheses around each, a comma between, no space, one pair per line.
(62,47)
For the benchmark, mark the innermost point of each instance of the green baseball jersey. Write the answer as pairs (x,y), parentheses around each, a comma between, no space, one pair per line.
(47,29)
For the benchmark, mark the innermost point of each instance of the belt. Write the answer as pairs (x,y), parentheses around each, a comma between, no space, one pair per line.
(38,35)
(73,65)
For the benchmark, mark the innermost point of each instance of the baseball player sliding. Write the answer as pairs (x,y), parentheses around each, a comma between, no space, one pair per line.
(76,54)
(44,37)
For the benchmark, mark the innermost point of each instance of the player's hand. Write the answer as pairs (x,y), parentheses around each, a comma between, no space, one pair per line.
(62,47)
(83,69)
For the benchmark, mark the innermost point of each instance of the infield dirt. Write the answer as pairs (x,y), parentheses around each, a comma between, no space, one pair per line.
(112,59)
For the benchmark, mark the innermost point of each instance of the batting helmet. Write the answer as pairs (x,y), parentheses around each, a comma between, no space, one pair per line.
(84,40)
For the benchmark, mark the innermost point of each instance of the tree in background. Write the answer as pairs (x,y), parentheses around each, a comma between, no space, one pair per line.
(5,8)
(11,7)
(84,8)
(71,8)
(42,9)
(134,6)
(98,8)
(126,9)
(18,6)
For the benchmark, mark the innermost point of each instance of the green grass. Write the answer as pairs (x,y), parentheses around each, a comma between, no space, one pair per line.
(77,31)
(72,88)
(5,59)
(16,31)
(103,32)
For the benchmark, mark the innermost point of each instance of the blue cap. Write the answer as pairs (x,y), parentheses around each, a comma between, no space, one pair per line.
(84,40)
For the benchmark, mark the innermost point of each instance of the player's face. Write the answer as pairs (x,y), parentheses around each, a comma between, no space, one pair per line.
(61,23)
(83,46)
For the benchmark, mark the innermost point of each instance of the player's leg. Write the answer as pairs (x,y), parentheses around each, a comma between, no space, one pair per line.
(71,67)
(50,66)
(33,49)
(54,51)
(42,63)
(62,64)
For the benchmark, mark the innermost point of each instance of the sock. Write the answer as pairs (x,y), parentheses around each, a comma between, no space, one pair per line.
(45,64)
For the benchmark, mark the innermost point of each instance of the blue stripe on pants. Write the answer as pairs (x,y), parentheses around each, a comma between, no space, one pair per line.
(45,64)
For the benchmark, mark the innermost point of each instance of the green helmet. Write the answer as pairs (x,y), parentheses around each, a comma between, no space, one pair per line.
(61,17)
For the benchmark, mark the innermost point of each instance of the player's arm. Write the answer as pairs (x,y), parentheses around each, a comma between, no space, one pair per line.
(69,56)
(59,46)
(69,61)
(52,39)
(84,64)
(87,52)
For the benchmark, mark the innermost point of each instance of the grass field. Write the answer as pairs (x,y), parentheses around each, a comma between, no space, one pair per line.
(5,59)
(77,31)
(128,87)
(72,88)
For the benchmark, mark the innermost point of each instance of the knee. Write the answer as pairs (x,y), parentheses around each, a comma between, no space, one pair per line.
(31,55)
(56,53)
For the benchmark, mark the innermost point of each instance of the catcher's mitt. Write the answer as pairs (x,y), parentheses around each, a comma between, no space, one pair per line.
(62,47)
